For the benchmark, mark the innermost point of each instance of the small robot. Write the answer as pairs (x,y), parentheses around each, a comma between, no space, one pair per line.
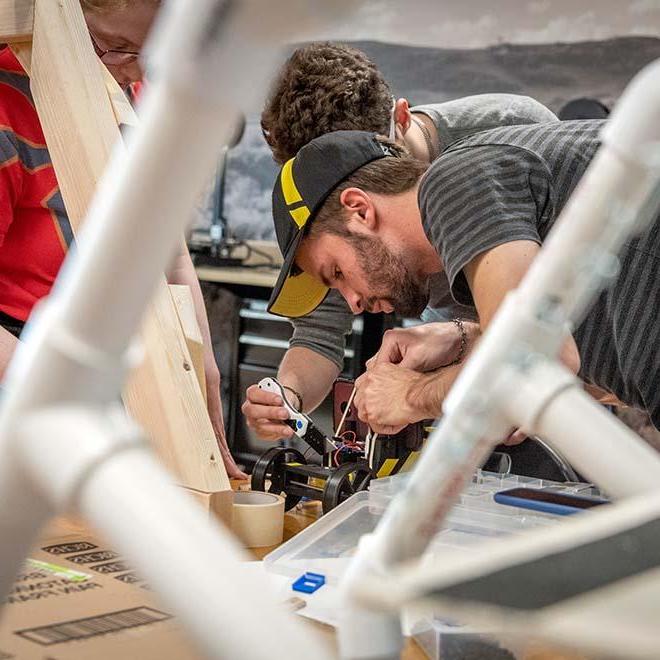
(349,460)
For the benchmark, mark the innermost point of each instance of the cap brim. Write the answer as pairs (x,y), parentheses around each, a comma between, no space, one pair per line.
(295,295)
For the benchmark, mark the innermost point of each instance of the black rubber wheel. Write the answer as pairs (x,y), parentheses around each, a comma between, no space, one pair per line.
(345,481)
(270,467)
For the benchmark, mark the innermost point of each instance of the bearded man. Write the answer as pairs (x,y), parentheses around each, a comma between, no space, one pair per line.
(355,212)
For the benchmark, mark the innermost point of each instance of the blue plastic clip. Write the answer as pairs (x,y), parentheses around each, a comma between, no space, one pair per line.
(308,583)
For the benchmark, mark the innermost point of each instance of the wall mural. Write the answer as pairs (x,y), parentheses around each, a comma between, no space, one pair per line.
(552,73)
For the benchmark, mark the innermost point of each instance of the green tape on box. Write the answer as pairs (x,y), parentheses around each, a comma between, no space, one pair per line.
(68,573)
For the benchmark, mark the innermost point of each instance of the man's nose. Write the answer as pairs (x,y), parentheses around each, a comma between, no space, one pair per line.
(353,299)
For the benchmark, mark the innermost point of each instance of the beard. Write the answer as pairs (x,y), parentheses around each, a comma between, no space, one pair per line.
(389,277)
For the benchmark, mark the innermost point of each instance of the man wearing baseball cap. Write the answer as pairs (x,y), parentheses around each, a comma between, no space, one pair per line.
(325,87)
(322,164)
(357,213)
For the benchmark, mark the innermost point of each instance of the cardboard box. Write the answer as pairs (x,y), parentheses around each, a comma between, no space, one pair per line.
(76,599)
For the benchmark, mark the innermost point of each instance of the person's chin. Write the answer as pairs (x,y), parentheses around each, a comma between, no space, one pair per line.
(411,308)
(386,307)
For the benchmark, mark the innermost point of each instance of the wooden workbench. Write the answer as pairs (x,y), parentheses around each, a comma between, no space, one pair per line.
(251,275)
(257,277)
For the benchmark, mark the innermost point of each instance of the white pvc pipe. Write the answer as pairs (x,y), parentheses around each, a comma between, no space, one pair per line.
(547,400)
(94,462)
(385,638)
(22,514)
(604,449)
(155,526)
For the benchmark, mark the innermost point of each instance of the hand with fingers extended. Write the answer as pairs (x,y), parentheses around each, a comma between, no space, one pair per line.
(389,397)
(265,414)
(425,347)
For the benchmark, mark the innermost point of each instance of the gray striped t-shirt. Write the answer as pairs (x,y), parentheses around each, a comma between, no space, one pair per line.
(324,330)
(510,184)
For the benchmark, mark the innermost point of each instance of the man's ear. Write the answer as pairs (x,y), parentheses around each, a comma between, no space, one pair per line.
(359,208)
(402,117)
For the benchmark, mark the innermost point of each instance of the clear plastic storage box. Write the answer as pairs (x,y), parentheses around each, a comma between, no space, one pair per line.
(327,546)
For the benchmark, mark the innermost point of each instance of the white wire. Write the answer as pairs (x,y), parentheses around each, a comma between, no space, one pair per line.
(343,418)
(369,444)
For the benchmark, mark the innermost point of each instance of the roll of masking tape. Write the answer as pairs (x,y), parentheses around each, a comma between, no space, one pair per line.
(258,518)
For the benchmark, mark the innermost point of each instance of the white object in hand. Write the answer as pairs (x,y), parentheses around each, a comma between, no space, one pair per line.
(299,419)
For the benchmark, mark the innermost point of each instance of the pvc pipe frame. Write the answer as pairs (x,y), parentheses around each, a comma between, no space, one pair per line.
(55,456)
(575,263)
(555,407)
(115,482)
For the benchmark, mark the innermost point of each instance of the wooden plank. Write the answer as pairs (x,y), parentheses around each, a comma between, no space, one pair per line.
(121,106)
(167,376)
(185,308)
(219,505)
(23,53)
(72,102)
(80,128)
(16,20)
(165,397)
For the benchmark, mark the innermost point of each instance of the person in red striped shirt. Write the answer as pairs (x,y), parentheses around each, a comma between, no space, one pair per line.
(35,232)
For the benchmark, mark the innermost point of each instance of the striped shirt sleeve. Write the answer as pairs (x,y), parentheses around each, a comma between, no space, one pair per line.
(476,198)
(324,330)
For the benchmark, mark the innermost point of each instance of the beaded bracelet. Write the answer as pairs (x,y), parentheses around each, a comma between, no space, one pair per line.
(464,341)
(298,396)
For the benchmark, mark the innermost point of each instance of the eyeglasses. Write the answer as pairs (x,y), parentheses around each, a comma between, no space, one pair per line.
(113,57)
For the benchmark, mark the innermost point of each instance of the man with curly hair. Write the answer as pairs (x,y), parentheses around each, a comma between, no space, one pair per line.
(35,233)
(325,87)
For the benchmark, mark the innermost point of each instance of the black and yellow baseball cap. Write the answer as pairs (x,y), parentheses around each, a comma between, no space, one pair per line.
(303,184)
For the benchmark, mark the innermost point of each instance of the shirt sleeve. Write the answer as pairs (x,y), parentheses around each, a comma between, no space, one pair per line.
(11,180)
(324,331)
(460,118)
(477,198)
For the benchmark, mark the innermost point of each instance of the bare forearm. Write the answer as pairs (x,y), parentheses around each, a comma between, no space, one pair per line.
(429,391)
(309,374)
(8,344)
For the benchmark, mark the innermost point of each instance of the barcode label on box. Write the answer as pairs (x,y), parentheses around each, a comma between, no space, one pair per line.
(128,578)
(68,548)
(111,567)
(92,557)
(94,626)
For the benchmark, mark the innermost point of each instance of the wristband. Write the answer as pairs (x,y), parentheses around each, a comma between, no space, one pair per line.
(298,396)
(464,341)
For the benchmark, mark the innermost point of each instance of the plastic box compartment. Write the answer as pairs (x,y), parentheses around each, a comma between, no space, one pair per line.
(446,641)
(327,546)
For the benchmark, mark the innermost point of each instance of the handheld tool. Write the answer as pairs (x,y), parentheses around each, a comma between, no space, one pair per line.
(301,424)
